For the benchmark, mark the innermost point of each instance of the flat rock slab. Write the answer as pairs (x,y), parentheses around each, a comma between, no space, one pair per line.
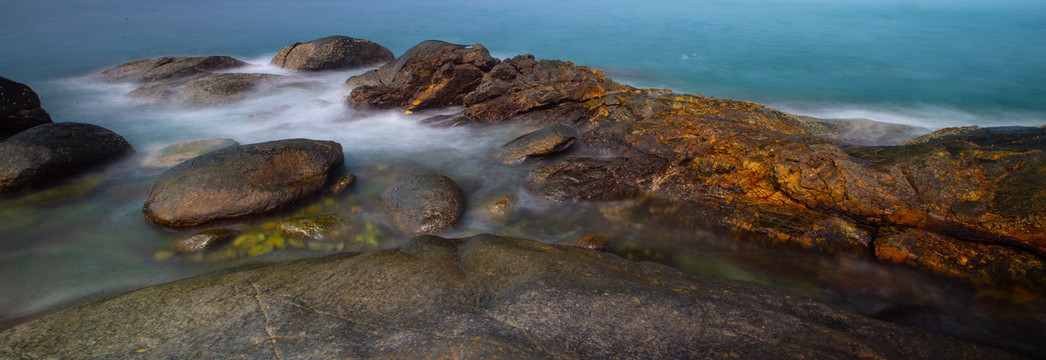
(241,181)
(482,297)
(151,70)
(53,152)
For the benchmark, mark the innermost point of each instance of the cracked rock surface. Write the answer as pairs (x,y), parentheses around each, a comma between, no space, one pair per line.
(480,297)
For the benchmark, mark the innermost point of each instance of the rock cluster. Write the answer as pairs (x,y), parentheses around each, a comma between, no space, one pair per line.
(760,169)
(480,297)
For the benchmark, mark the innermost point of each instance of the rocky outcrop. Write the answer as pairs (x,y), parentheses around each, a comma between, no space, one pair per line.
(222,88)
(241,181)
(424,204)
(19,108)
(332,53)
(764,170)
(432,74)
(49,153)
(479,297)
(165,68)
(537,144)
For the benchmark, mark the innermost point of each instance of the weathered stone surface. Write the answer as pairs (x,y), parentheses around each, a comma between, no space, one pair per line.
(151,70)
(594,179)
(540,143)
(19,108)
(424,204)
(332,53)
(204,240)
(862,131)
(343,183)
(319,228)
(217,89)
(432,74)
(479,297)
(175,154)
(241,181)
(52,152)
(980,262)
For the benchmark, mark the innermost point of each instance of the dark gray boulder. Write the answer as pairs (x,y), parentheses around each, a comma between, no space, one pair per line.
(424,204)
(215,89)
(52,152)
(241,181)
(19,108)
(540,143)
(482,297)
(152,70)
(331,53)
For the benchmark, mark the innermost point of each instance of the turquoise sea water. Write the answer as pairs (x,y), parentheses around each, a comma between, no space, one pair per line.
(933,63)
(927,63)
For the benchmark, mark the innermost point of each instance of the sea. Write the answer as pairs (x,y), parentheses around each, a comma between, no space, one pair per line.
(926,63)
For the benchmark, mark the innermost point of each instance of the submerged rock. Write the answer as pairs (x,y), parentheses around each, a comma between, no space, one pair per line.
(424,204)
(241,181)
(331,53)
(177,153)
(52,152)
(320,228)
(343,183)
(480,297)
(204,240)
(19,108)
(540,143)
(217,89)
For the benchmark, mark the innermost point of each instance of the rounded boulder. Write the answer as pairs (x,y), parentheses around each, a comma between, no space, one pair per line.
(331,53)
(52,152)
(241,181)
(424,204)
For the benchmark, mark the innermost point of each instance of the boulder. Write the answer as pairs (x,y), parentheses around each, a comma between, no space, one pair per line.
(51,152)
(175,154)
(540,143)
(152,70)
(480,297)
(432,74)
(215,89)
(332,53)
(424,204)
(241,181)
(19,108)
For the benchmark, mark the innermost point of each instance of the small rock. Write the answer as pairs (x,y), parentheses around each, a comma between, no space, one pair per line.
(424,204)
(331,53)
(343,183)
(204,240)
(591,242)
(319,228)
(543,142)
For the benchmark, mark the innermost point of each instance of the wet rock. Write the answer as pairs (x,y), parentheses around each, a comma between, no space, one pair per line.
(593,179)
(19,108)
(836,236)
(217,89)
(501,208)
(1005,137)
(424,204)
(446,121)
(523,84)
(479,297)
(862,131)
(977,262)
(177,153)
(432,74)
(319,228)
(540,143)
(151,70)
(332,53)
(241,181)
(343,183)
(592,242)
(52,152)
(204,240)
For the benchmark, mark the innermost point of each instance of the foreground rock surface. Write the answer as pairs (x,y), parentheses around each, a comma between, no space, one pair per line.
(19,108)
(332,53)
(480,297)
(758,170)
(52,152)
(241,181)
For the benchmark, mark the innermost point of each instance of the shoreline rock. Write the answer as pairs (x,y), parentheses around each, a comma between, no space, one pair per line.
(20,108)
(49,153)
(241,181)
(480,297)
(332,53)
